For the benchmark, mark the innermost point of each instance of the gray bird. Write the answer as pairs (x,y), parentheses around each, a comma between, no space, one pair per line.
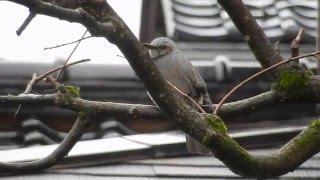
(178,70)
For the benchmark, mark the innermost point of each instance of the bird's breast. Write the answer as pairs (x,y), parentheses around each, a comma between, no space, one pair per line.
(171,71)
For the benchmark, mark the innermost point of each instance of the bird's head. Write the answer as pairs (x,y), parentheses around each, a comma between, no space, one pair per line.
(161,46)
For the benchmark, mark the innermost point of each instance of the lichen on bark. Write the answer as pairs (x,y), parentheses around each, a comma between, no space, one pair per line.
(292,81)
(216,124)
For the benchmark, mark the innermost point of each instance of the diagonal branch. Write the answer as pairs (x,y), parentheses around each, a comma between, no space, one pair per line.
(62,150)
(252,33)
(65,44)
(74,49)
(276,163)
(26,23)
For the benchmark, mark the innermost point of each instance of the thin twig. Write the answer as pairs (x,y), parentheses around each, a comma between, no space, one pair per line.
(44,75)
(53,81)
(17,111)
(188,97)
(26,23)
(30,84)
(60,45)
(74,49)
(27,91)
(35,79)
(121,56)
(314,54)
(295,44)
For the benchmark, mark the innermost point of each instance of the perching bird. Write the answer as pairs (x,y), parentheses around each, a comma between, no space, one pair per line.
(179,72)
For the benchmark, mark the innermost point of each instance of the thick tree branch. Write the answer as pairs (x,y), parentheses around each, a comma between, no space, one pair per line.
(277,163)
(251,31)
(208,129)
(28,98)
(240,107)
(307,95)
(249,105)
(109,109)
(131,111)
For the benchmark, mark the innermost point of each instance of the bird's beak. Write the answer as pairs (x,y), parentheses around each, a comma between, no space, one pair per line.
(150,46)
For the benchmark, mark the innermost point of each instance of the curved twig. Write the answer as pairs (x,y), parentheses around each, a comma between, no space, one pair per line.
(259,74)
(44,75)
(62,150)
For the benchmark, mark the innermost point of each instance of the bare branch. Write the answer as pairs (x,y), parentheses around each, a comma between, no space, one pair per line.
(295,45)
(29,98)
(62,12)
(66,44)
(62,150)
(74,49)
(216,111)
(36,79)
(249,105)
(134,111)
(273,164)
(26,23)
(42,76)
(17,111)
(31,84)
(251,32)
(52,81)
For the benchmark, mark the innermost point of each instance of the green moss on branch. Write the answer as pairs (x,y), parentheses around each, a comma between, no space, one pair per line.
(273,164)
(216,124)
(293,81)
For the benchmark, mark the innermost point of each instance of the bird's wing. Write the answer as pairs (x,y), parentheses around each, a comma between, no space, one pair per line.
(198,81)
(171,71)
(189,70)
(198,85)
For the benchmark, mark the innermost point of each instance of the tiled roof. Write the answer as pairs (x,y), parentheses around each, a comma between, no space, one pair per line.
(205,20)
(162,156)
